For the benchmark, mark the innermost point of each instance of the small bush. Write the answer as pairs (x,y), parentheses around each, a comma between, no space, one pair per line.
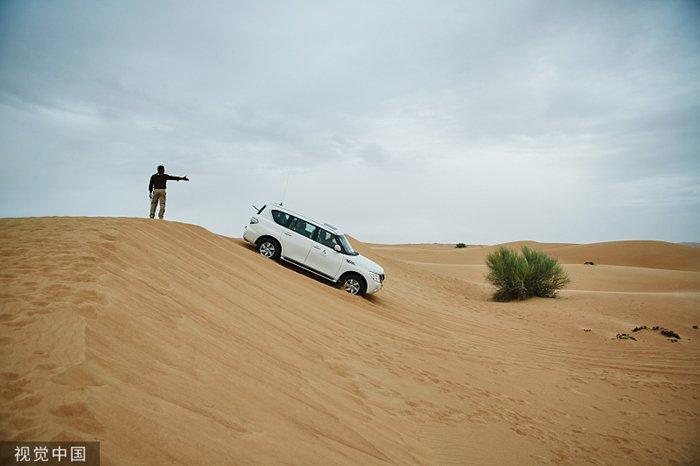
(520,276)
(507,272)
(460,245)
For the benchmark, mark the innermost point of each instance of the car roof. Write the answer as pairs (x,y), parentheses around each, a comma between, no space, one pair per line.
(331,228)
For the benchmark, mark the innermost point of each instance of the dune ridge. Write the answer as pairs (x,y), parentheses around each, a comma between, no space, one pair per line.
(648,254)
(172,344)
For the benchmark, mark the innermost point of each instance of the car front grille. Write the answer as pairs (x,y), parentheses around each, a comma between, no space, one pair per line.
(381,278)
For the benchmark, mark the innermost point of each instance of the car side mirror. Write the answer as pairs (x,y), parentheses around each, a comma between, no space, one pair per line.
(337,248)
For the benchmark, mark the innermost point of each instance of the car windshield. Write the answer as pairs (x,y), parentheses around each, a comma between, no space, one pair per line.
(346,245)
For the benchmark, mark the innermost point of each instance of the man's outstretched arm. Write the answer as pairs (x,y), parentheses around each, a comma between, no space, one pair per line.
(178,178)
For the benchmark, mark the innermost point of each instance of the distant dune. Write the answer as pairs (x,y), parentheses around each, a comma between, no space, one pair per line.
(171,344)
(652,254)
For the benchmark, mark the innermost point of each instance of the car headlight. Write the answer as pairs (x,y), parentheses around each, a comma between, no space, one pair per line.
(253,220)
(374,276)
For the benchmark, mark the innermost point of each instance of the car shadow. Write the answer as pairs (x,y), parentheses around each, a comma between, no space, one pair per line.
(288,265)
(294,268)
(306,273)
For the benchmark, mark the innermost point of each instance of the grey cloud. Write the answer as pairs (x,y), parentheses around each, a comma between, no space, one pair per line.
(435,109)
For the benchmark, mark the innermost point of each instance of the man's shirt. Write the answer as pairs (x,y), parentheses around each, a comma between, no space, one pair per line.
(158,181)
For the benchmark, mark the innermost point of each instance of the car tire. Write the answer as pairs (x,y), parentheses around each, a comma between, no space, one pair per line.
(353,283)
(270,248)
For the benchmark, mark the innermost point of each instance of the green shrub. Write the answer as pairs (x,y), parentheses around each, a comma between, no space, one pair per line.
(460,245)
(520,276)
(507,272)
(545,276)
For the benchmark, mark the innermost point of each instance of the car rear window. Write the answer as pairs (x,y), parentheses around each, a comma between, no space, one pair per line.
(281,218)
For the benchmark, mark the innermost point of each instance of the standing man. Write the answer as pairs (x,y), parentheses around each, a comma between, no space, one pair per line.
(156,190)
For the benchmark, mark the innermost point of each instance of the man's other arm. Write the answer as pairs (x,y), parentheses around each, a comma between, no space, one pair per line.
(150,185)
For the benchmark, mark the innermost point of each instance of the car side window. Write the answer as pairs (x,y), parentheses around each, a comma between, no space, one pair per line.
(281,218)
(326,238)
(303,227)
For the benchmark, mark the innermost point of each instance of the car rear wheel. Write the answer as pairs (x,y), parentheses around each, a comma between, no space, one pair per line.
(354,284)
(269,248)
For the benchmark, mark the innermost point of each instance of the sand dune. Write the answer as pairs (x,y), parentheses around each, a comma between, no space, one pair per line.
(650,254)
(174,345)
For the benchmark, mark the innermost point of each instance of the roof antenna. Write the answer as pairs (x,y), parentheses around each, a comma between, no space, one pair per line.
(284,195)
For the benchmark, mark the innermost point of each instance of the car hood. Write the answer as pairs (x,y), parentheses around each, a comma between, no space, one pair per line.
(365,263)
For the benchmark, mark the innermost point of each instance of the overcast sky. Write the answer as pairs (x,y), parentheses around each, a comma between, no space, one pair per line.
(398,121)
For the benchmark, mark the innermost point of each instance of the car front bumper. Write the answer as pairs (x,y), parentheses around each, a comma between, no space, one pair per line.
(373,287)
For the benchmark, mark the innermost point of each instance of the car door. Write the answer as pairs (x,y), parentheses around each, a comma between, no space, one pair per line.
(323,258)
(296,240)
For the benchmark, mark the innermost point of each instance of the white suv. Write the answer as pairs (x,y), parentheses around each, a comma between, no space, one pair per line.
(277,232)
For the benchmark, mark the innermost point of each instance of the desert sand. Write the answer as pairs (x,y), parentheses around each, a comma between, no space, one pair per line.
(171,344)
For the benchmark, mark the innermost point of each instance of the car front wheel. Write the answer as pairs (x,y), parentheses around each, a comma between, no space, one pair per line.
(354,284)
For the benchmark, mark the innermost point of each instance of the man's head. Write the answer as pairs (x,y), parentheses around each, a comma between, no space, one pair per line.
(161,169)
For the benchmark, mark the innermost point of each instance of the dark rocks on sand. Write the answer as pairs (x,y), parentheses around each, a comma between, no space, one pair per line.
(625,336)
(670,333)
(589,263)
(666,332)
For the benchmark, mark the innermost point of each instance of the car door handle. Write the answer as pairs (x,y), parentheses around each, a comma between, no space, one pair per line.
(287,233)
(315,246)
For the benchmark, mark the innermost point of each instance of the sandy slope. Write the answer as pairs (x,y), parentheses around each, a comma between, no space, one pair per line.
(171,344)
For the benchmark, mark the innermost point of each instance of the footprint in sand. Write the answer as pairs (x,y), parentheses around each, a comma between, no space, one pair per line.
(12,386)
(78,416)
(26,402)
